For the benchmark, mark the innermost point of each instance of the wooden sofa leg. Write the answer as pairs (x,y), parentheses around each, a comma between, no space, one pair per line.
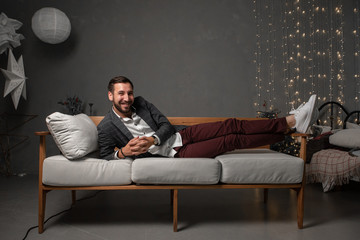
(175,209)
(300,207)
(73,197)
(42,205)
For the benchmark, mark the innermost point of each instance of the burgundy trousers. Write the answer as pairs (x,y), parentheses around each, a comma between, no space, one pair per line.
(213,139)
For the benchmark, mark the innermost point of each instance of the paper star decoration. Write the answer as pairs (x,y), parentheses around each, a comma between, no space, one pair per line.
(8,36)
(15,79)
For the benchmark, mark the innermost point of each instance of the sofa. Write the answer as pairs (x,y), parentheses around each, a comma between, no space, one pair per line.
(78,166)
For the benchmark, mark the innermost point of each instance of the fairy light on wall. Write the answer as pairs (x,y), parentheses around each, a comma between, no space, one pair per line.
(301,24)
(285,53)
(356,32)
(257,61)
(310,56)
(272,56)
(311,35)
(297,50)
(331,59)
(291,22)
(269,55)
(340,53)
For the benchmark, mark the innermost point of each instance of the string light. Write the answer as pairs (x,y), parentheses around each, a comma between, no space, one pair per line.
(311,52)
(356,31)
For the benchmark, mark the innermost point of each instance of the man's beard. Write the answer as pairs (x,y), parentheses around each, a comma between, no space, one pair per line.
(118,107)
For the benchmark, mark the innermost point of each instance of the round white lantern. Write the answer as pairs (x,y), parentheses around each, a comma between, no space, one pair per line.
(51,25)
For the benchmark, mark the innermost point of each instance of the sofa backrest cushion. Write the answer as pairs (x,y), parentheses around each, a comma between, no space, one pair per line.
(75,136)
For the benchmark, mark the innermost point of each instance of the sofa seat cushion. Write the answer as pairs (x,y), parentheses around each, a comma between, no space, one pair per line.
(176,171)
(86,171)
(260,166)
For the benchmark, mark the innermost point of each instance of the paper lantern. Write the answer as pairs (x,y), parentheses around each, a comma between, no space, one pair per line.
(51,25)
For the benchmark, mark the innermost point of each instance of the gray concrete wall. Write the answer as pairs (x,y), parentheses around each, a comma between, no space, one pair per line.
(189,58)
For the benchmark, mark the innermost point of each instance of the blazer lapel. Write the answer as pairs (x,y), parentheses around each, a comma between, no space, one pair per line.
(121,126)
(145,115)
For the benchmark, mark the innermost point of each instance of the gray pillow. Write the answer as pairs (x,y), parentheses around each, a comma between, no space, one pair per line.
(75,136)
(348,138)
(350,125)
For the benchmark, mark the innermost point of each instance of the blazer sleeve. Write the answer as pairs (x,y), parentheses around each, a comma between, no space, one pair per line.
(106,141)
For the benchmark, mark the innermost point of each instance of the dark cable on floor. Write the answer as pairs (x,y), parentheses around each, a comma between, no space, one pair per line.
(57,214)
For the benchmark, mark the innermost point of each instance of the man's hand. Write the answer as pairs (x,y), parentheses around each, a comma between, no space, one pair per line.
(138,145)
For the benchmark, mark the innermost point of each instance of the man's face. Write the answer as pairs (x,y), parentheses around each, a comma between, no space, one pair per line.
(122,98)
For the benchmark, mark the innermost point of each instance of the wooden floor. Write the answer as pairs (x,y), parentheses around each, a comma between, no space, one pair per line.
(203,214)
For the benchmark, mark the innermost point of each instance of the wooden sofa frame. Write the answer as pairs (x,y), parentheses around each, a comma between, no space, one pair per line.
(174,189)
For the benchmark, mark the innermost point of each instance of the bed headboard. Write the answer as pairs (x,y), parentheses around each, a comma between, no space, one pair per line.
(331,112)
(354,117)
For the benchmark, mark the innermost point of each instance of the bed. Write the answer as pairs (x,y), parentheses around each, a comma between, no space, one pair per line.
(333,153)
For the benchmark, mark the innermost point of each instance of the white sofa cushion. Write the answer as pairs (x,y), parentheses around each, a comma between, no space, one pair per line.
(175,171)
(86,171)
(75,136)
(260,166)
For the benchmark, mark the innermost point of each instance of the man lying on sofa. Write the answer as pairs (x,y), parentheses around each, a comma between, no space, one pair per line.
(138,129)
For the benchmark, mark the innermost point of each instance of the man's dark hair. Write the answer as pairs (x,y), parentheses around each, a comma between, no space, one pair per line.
(119,79)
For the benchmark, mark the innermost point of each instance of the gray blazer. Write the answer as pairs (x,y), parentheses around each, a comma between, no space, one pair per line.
(113,133)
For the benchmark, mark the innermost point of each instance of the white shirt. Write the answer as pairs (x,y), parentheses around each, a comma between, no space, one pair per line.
(139,128)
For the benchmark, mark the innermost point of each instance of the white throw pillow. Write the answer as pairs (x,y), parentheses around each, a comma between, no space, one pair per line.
(350,125)
(75,136)
(348,138)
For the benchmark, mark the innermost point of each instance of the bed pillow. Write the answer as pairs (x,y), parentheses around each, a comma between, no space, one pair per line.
(75,135)
(317,130)
(348,138)
(350,125)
